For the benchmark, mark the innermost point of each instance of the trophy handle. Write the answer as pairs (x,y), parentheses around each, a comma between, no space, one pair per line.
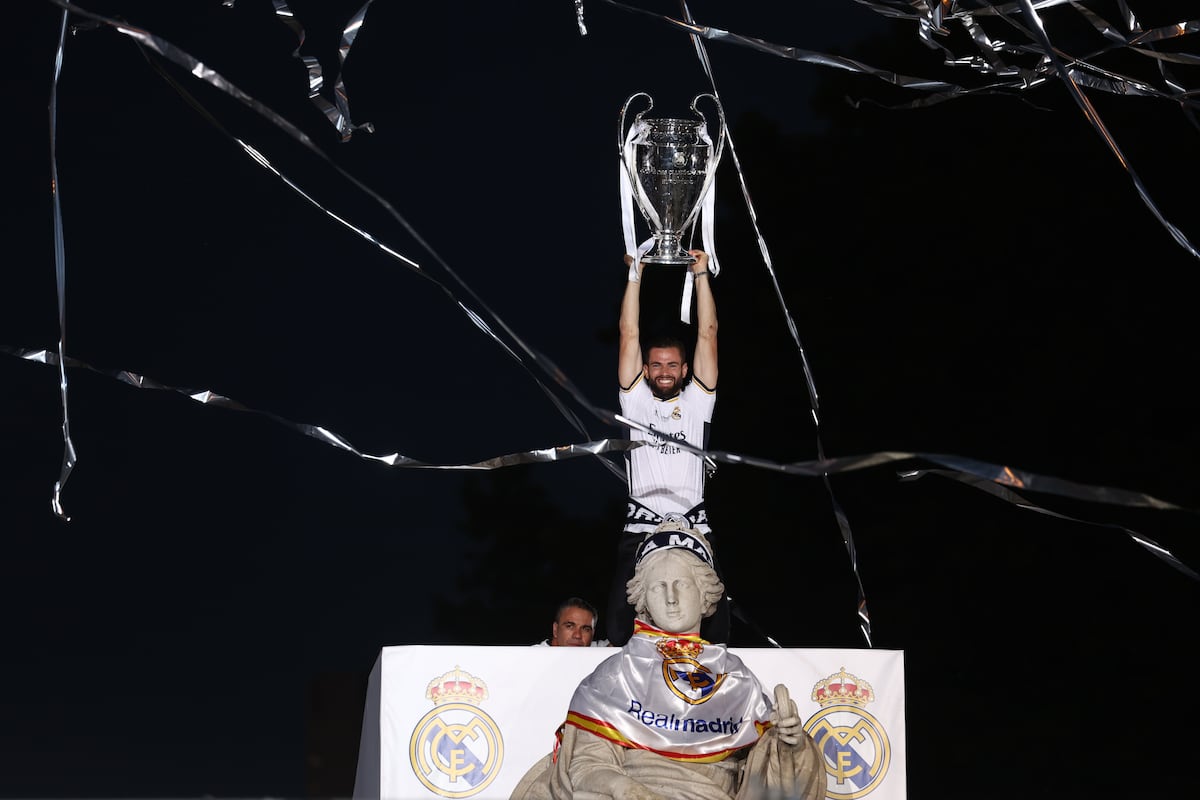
(631,187)
(621,134)
(720,118)
(711,172)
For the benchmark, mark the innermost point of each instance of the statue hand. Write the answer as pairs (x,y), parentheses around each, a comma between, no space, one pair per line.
(786,718)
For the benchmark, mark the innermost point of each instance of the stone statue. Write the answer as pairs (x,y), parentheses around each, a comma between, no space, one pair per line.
(671,715)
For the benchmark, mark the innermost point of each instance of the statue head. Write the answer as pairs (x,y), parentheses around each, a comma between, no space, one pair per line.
(674,585)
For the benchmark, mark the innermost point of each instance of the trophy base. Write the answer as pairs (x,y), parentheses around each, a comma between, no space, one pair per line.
(668,249)
(686,258)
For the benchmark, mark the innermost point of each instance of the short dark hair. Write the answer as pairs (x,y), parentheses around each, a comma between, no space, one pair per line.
(665,339)
(577,602)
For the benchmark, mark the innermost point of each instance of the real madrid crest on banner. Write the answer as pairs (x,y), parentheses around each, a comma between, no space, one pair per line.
(687,678)
(854,743)
(456,749)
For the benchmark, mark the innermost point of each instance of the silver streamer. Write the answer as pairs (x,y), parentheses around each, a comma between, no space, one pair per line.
(60,272)
(1009,496)
(843,521)
(996,479)
(932,17)
(579,17)
(338,112)
(199,70)
(207,397)
(1013,67)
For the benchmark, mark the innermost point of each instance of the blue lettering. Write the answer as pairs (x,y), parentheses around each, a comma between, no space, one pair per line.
(730,726)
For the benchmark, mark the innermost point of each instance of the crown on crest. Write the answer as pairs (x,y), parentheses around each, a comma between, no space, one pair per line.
(842,688)
(680,648)
(456,686)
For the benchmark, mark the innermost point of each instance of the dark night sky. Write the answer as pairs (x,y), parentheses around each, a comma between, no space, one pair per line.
(976,278)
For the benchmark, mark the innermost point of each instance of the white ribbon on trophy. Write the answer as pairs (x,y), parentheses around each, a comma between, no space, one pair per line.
(701,158)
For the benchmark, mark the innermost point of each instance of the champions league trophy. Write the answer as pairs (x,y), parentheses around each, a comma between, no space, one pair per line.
(669,166)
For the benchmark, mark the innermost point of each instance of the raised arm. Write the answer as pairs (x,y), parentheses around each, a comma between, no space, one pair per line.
(629,354)
(704,359)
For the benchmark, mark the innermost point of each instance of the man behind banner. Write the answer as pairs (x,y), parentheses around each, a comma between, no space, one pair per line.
(672,715)
(666,482)
(574,625)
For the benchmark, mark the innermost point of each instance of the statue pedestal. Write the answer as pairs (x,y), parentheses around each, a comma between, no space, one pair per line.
(470,721)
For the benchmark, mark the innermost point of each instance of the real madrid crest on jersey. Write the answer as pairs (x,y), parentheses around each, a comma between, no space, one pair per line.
(855,745)
(456,749)
(686,677)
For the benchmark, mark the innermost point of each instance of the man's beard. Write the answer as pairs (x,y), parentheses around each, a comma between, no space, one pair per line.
(664,393)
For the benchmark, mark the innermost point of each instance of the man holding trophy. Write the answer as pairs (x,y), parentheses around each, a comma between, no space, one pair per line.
(666,482)
(667,167)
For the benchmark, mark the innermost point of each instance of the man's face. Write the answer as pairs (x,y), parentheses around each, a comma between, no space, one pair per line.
(673,599)
(574,628)
(665,370)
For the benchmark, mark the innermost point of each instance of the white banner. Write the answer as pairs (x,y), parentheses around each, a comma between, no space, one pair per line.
(470,721)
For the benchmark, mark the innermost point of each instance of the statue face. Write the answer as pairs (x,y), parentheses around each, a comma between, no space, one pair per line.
(673,600)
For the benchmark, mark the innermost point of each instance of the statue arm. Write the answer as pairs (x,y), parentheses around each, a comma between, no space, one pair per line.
(785,762)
